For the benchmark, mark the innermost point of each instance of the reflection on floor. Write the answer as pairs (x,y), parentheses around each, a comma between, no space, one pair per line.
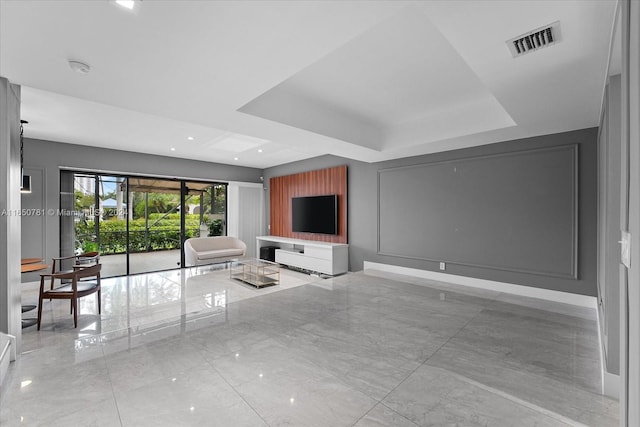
(363,349)
(116,265)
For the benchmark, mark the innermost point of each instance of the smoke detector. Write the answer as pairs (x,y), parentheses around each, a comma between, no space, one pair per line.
(79,67)
(534,40)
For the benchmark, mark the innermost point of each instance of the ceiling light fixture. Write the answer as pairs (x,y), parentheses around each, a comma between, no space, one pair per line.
(235,158)
(79,67)
(127,4)
(260,150)
(190,138)
(173,149)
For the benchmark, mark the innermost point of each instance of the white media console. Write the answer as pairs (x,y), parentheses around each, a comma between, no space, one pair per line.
(323,257)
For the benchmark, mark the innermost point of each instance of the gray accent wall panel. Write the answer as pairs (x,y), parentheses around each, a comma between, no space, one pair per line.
(513,211)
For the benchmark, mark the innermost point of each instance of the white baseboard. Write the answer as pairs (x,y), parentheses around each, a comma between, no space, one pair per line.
(611,385)
(510,288)
(610,382)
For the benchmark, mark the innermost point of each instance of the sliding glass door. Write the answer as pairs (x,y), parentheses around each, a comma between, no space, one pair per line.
(206,209)
(100,222)
(154,228)
(138,224)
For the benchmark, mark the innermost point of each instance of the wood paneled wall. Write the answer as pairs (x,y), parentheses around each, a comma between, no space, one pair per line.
(313,183)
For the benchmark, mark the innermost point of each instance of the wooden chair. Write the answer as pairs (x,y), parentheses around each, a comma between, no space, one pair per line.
(77,286)
(79,261)
(86,259)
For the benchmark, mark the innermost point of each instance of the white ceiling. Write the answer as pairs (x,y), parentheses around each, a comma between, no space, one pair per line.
(272,82)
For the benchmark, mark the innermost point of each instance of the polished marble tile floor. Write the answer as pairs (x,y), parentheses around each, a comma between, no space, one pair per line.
(192,348)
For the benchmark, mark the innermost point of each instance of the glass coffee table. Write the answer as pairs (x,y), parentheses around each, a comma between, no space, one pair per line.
(256,272)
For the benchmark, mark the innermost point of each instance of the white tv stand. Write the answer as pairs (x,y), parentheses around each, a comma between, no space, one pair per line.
(323,257)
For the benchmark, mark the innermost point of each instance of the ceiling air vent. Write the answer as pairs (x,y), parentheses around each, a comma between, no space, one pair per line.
(535,40)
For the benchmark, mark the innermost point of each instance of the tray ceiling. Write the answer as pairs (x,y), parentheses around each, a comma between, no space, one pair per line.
(266,83)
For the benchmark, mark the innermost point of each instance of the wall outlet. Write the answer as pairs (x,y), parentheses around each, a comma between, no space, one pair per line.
(442,266)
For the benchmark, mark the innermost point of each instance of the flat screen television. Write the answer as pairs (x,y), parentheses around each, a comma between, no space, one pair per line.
(315,214)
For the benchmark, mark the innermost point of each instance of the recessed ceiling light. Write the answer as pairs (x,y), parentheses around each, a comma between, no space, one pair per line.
(127,4)
(173,149)
(235,158)
(79,67)
(190,138)
(260,150)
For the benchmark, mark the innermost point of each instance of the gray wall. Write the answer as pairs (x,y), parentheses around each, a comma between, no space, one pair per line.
(46,158)
(514,211)
(363,209)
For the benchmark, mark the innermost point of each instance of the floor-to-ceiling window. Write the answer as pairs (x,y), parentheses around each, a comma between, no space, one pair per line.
(138,224)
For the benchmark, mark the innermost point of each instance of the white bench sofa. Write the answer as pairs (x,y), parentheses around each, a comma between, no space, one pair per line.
(210,250)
